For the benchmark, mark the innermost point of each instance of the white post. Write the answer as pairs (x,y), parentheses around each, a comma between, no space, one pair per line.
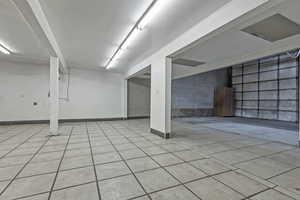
(160,116)
(124,99)
(54,95)
(168,94)
(298,65)
(298,103)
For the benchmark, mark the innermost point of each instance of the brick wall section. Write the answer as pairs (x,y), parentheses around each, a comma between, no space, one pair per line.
(267,88)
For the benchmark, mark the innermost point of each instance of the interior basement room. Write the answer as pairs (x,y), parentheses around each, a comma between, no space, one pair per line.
(149,100)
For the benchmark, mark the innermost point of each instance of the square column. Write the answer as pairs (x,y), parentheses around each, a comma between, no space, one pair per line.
(161,79)
(125,99)
(54,95)
(298,61)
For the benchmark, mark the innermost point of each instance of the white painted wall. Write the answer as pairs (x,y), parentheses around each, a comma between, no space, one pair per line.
(20,86)
(139,97)
(93,94)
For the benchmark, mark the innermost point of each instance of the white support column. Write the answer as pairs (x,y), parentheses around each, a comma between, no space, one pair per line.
(160,116)
(298,102)
(54,95)
(125,100)
(168,94)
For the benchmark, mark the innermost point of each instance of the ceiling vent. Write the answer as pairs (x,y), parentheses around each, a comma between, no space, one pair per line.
(147,74)
(274,28)
(191,63)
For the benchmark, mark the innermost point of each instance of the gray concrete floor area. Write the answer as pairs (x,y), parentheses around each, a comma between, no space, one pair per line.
(285,132)
(122,160)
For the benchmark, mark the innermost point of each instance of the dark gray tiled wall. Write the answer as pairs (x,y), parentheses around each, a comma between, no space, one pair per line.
(194,95)
(267,88)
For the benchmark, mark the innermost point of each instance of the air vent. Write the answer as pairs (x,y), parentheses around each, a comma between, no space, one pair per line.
(191,63)
(274,28)
(147,74)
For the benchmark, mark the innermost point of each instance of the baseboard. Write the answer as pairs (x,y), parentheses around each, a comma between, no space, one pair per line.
(60,121)
(91,119)
(24,122)
(139,117)
(160,134)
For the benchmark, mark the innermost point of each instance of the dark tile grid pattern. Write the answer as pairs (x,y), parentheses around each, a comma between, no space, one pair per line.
(275,149)
(122,160)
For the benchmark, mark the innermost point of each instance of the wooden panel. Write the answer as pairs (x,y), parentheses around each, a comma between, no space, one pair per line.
(223,101)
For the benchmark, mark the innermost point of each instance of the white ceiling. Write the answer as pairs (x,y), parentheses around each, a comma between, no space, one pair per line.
(177,18)
(233,43)
(16,35)
(89,31)
(228,44)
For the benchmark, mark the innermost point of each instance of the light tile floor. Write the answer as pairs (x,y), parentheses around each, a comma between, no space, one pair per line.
(122,160)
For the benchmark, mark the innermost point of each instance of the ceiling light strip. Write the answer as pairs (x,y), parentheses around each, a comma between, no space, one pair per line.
(127,38)
(4,50)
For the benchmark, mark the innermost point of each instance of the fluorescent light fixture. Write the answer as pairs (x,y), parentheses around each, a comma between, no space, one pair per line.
(130,38)
(118,54)
(4,49)
(155,7)
(111,64)
(150,14)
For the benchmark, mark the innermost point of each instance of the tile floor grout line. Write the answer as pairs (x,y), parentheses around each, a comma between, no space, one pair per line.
(93,162)
(11,181)
(224,142)
(181,183)
(64,170)
(73,186)
(57,152)
(35,133)
(289,195)
(122,132)
(254,174)
(209,176)
(59,165)
(6,139)
(263,156)
(31,195)
(246,146)
(213,177)
(124,161)
(252,137)
(260,157)
(252,195)
(238,148)
(287,171)
(9,128)
(69,169)
(29,176)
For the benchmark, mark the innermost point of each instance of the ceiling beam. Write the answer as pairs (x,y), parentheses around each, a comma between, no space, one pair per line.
(222,19)
(35,17)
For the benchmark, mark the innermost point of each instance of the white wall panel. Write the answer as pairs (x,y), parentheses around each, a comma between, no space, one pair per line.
(93,94)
